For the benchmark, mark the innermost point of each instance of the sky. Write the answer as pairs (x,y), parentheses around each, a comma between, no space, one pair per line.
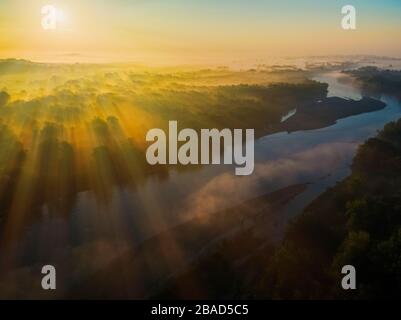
(187,31)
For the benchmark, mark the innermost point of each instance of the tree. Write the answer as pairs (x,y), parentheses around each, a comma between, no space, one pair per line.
(4,97)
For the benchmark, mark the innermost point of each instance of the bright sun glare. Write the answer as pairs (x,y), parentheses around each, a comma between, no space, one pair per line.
(53,18)
(61,16)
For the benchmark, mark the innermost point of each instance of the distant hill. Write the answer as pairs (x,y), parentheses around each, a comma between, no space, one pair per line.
(18,65)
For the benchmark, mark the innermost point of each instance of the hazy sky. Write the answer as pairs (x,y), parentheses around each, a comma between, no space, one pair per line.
(188,30)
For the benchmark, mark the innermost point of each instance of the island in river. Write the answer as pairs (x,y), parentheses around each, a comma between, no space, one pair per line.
(325,112)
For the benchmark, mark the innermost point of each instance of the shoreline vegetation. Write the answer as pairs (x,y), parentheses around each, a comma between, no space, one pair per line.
(375,82)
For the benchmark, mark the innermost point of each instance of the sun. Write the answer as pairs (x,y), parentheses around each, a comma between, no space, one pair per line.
(53,18)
